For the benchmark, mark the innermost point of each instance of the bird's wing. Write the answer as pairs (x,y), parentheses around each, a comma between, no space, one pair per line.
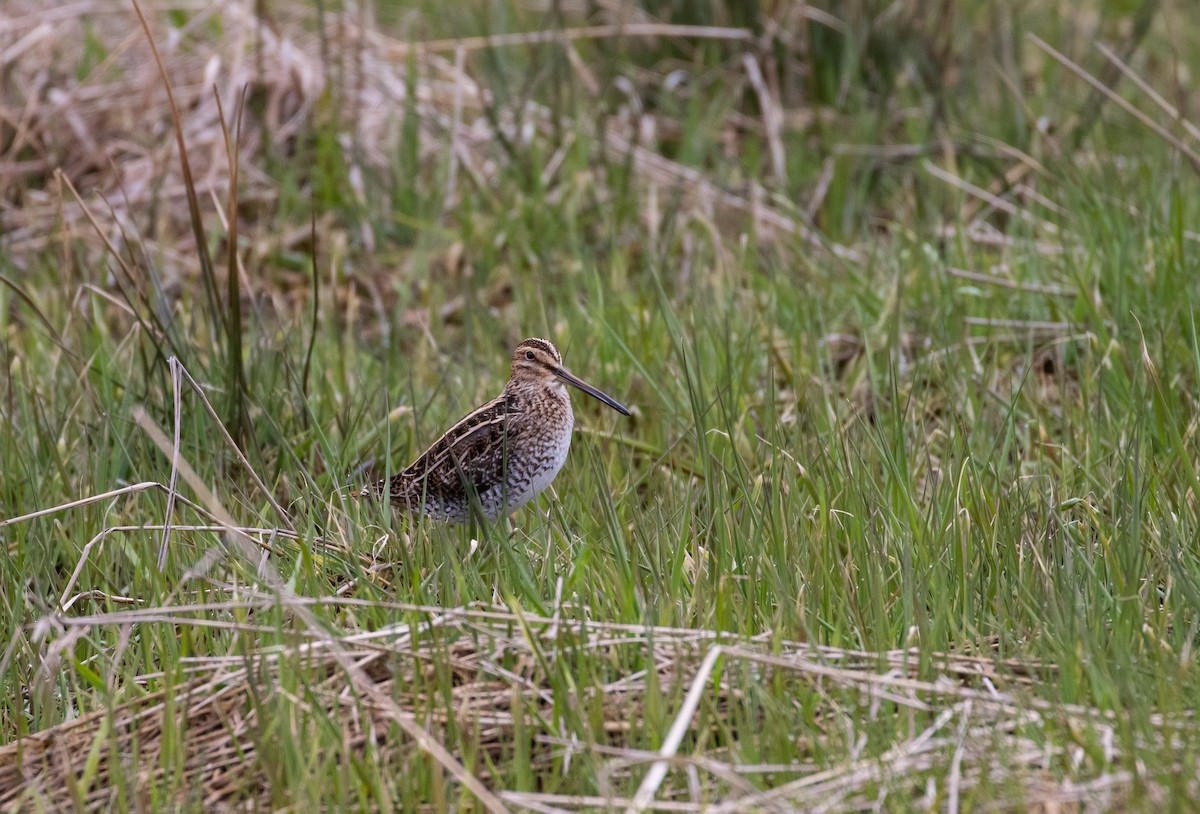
(470,454)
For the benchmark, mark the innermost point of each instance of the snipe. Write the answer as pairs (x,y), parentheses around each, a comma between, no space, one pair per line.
(503,454)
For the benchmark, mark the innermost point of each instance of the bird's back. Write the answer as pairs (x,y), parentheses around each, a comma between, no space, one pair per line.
(504,453)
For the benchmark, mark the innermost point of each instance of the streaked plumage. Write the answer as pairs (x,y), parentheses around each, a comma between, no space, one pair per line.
(505,452)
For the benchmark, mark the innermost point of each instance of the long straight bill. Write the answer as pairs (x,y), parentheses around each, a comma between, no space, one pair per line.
(574,381)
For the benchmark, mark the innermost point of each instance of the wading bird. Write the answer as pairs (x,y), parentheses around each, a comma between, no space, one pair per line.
(503,454)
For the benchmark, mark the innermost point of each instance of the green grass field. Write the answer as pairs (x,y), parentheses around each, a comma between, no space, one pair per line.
(902,296)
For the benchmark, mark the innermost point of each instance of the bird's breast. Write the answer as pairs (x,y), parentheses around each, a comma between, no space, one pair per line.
(538,449)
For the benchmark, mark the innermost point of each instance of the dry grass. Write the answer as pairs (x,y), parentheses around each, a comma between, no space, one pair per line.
(983,724)
(107,155)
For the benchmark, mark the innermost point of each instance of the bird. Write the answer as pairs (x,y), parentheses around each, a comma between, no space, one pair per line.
(501,455)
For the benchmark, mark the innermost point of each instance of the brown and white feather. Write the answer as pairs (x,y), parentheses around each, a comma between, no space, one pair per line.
(501,455)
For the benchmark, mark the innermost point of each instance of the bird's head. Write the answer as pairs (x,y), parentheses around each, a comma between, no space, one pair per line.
(537,360)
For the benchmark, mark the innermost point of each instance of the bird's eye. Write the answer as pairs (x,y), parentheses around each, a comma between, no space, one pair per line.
(529,355)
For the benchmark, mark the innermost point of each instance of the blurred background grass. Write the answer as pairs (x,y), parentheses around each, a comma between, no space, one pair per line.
(903,302)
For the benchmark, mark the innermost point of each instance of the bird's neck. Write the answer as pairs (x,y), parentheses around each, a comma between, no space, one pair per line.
(552,391)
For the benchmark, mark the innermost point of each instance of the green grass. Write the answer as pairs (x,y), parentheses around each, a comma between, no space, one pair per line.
(997,478)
